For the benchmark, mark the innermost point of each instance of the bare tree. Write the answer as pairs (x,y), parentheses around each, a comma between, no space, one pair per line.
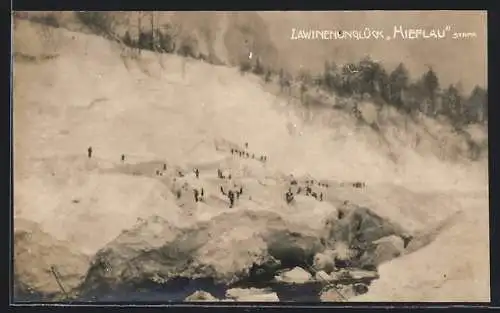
(139,31)
(258,68)
(100,23)
(153,43)
(305,80)
(284,81)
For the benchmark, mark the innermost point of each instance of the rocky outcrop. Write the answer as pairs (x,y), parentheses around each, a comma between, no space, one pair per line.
(255,249)
(354,237)
(387,249)
(138,254)
(44,267)
(325,261)
(293,247)
(215,249)
(236,246)
(358,225)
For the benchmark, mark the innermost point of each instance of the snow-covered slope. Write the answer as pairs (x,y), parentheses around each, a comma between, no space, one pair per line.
(185,113)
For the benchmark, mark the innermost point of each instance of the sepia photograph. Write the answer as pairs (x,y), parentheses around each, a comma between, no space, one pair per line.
(265,156)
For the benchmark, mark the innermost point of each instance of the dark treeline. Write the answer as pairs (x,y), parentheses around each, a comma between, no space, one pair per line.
(150,35)
(163,42)
(369,78)
(424,94)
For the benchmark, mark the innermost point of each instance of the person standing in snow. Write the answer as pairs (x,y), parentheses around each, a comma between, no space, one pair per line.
(230,195)
(195,195)
(289,196)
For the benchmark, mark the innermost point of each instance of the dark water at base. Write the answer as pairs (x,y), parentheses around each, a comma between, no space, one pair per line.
(180,289)
(174,291)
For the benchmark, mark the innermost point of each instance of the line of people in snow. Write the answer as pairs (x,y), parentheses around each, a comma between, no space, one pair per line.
(357,184)
(235,194)
(308,190)
(246,154)
(90,151)
(262,158)
(232,194)
(198,194)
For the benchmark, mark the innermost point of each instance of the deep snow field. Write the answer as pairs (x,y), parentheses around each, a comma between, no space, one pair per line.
(131,230)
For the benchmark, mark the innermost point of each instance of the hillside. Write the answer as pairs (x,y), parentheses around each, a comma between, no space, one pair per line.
(169,114)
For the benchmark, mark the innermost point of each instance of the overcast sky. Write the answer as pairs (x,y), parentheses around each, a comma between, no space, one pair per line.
(463,60)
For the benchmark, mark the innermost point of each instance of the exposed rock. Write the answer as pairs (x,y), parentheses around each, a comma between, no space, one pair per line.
(37,255)
(228,256)
(360,225)
(201,296)
(384,249)
(342,252)
(324,261)
(293,247)
(262,243)
(212,249)
(353,235)
(295,276)
(265,271)
(388,248)
(143,252)
(360,288)
(252,294)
